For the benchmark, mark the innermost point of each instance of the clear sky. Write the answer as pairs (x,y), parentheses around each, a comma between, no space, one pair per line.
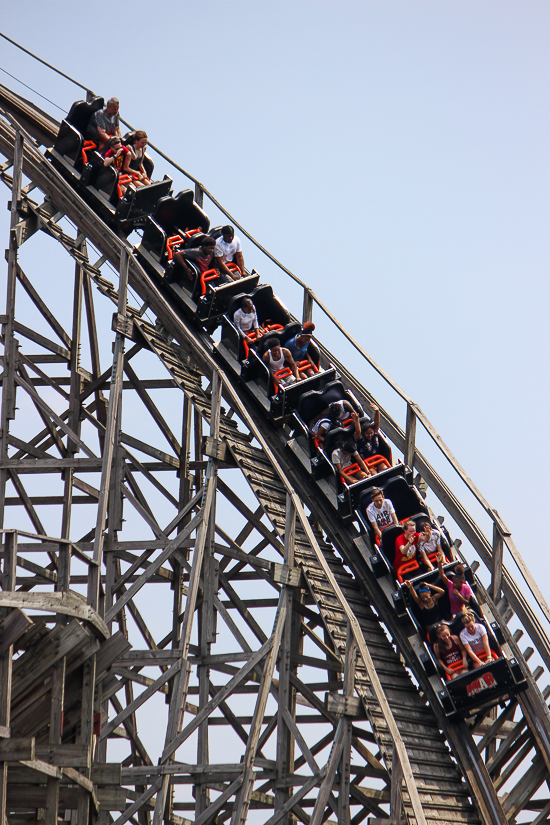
(394,155)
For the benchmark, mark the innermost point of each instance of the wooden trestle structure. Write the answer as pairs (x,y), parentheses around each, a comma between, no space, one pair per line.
(188,634)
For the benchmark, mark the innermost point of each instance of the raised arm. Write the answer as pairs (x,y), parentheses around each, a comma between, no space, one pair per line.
(439,559)
(437,592)
(376,412)
(412,591)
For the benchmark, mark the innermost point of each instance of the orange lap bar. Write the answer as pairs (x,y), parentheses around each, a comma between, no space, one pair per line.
(351,469)
(208,275)
(171,242)
(87,146)
(408,567)
(123,180)
(375,460)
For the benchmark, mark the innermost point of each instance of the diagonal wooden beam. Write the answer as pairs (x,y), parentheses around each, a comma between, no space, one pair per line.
(220,696)
(154,566)
(141,699)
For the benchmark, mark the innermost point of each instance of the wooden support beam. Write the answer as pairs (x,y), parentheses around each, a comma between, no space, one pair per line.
(6,665)
(410,436)
(7,409)
(115,393)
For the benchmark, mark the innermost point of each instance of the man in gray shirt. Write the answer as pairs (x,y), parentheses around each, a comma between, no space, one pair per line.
(104,123)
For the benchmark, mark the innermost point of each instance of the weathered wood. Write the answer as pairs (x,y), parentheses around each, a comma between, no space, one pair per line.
(13,750)
(67,604)
(13,627)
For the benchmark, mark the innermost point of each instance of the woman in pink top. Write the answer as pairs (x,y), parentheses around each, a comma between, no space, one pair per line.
(460,591)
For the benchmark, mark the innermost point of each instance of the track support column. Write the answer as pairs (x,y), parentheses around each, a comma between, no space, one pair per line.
(10,346)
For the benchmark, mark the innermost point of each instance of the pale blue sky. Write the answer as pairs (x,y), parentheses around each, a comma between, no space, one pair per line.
(392,154)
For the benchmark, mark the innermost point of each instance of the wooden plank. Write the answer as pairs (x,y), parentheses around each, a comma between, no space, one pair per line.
(141,699)
(42,341)
(18,748)
(13,627)
(67,604)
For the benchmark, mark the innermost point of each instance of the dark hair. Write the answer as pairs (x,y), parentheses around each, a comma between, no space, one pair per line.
(308,328)
(369,425)
(349,447)
(246,300)
(458,572)
(208,241)
(376,491)
(272,342)
(228,230)
(138,135)
(425,524)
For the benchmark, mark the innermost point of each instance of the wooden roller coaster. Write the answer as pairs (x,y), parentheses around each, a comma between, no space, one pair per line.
(189,632)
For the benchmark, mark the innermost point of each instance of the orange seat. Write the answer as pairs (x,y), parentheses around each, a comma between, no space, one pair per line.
(269,326)
(407,567)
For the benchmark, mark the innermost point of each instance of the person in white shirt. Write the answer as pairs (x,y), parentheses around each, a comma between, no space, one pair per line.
(381,512)
(229,249)
(343,457)
(475,640)
(246,319)
(430,538)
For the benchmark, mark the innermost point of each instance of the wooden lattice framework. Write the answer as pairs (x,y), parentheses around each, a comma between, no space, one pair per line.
(280,682)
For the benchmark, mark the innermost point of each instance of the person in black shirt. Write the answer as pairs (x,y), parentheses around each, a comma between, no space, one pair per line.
(427,599)
(366,436)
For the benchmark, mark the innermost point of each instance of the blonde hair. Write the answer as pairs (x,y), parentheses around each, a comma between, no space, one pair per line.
(467,616)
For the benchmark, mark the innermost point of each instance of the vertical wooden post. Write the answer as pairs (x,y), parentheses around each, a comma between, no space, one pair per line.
(198,195)
(7,411)
(181,681)
(287,700)
(307,312)
(496,564)
(6,659)
(115,393)
(410,437)
(207,617)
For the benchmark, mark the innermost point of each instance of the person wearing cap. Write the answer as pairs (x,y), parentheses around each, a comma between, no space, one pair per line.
(299,345)
(426,597)
(229,250)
